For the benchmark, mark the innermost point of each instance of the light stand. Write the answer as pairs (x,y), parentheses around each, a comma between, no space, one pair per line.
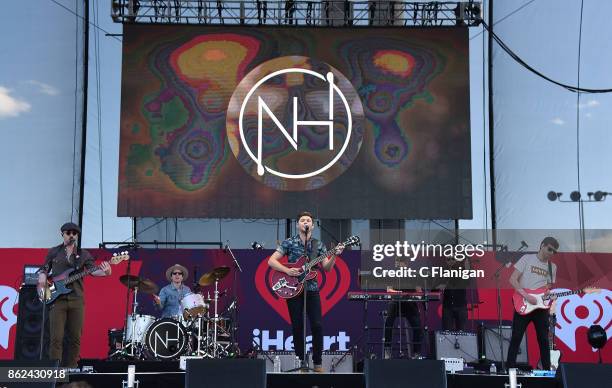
(576,197)
(234,303)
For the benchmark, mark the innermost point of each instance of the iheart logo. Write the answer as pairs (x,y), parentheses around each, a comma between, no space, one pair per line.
(8,299)
(333,286)
(583,311)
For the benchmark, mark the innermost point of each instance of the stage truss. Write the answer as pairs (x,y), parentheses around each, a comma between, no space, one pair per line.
(298,13)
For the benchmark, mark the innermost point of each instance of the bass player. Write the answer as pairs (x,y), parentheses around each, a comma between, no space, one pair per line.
(66,314)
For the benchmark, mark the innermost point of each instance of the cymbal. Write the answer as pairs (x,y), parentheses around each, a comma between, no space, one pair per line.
(216,274)
(144,285)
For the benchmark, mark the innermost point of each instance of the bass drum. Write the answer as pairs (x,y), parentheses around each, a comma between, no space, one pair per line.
(166,339)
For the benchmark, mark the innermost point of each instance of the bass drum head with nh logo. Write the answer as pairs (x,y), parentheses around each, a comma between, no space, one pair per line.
(166,339)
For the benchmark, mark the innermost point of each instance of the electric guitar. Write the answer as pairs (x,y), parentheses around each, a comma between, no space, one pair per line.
(544,300)
(287,286)
(56,285)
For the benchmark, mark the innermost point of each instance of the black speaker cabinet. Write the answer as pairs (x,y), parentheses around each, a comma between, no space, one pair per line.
(225,373)
(584,375)
(405,374)
(29,324)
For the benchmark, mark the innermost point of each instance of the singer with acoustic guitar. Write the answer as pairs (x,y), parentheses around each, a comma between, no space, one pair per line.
(533,271)
(66,311)
(294,248)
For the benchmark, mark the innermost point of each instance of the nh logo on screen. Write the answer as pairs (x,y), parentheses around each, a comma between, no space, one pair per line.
(294,123)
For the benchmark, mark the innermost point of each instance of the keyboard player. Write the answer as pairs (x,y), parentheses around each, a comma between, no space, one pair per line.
(411,312)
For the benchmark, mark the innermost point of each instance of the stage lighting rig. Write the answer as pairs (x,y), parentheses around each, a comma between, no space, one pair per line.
(575,196)
(298,12)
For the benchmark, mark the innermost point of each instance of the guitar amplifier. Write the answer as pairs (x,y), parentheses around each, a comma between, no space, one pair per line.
(456,344)
(490,338)
(287,360)
(333,362)
(30,275)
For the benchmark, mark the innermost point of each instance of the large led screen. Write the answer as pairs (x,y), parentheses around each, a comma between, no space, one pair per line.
(260,122)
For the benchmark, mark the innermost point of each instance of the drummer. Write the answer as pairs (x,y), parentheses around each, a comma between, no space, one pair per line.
(169,299)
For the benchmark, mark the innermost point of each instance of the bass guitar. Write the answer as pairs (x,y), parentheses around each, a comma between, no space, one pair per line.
(287,286)
(56,285)
(543,299)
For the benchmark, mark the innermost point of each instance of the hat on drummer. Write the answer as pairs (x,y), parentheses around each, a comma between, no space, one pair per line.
(175,267)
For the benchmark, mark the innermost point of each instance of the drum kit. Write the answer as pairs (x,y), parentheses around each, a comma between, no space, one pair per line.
(198,331)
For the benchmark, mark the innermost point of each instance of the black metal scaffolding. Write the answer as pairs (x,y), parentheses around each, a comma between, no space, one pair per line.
(298,13)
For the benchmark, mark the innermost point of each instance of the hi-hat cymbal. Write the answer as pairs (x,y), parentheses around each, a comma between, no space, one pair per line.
(144,285)
(216,274)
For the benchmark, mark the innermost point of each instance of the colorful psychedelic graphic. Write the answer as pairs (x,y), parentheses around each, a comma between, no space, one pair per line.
(405,93)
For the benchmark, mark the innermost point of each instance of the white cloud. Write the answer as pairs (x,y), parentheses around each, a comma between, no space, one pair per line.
(44,88)
(589,104)
(11,106)
(557,121)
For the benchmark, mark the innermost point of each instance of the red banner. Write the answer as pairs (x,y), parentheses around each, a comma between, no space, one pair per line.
(105,301)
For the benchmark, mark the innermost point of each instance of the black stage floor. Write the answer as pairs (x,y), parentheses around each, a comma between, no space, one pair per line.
(150,374)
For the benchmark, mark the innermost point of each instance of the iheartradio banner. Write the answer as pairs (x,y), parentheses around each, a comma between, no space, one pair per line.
(263,317)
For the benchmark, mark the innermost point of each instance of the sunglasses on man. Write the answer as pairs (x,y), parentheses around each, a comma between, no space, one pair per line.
(177,273)
(71,233)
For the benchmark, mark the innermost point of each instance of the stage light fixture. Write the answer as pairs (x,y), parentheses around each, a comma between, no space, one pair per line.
(600,195)
(553,195)
(597,336)
(575,196)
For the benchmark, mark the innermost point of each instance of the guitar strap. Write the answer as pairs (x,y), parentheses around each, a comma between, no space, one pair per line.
(312,254)
(550,272)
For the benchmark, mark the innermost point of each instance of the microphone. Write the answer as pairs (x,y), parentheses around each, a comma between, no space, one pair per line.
(457,346)
(306,227)
(257,246)
(524,244)
(226,246)
(72,240)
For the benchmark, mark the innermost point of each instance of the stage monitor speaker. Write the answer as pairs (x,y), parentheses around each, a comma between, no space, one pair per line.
(584,375)
(456,344)
(25,364)
(29,324)
(405,374)
(229,373)
(491,344)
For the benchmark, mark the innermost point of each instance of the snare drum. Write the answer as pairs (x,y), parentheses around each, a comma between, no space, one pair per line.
(193,305)
(137,327)
(166,339)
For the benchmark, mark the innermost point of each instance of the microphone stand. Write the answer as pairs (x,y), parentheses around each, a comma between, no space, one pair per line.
(304,362)
(127,306)
(234,296)
(499,308)
(43,325)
